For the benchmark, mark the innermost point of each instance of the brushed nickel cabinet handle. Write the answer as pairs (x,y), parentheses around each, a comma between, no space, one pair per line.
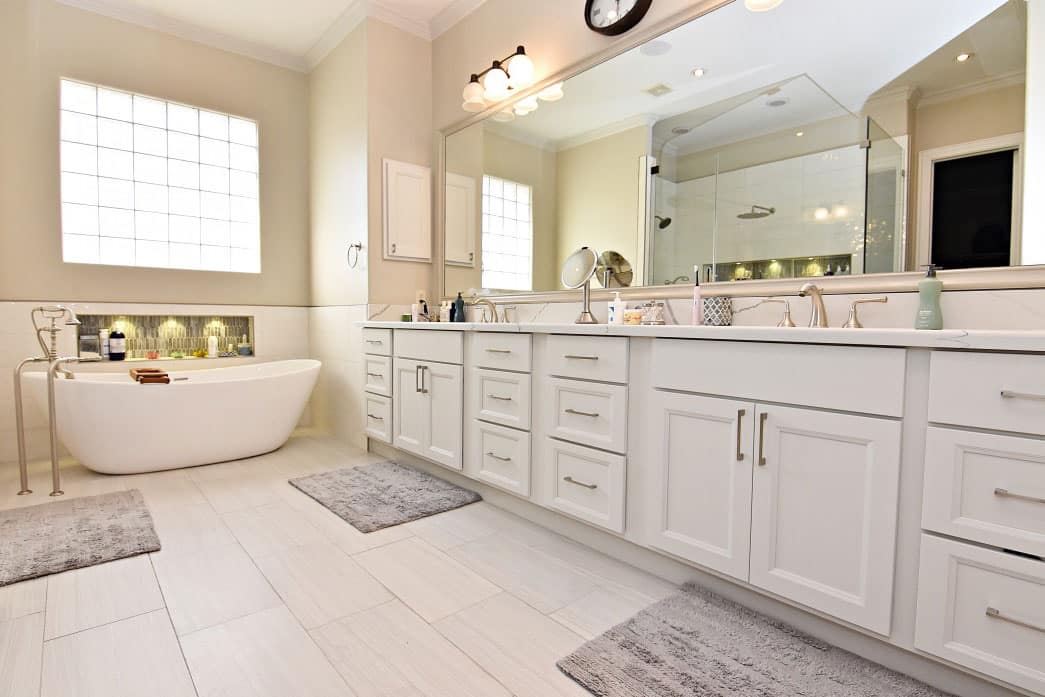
(1022,497)
(375,341)
(999,615)
(498,350)
(499,398)
(575,357)
(763,417)
(1009,394)
(589,414)
(571,480)
(377,418)
(498,457)
(424,372)
(374,375)
(740,433)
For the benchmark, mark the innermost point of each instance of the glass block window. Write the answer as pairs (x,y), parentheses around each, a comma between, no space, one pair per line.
(507,235)
(146,182)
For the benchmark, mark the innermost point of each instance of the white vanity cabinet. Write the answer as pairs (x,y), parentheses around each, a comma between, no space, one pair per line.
(377,381)
(428,396)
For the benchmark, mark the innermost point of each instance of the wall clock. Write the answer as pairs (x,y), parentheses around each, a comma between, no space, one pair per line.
(614,17)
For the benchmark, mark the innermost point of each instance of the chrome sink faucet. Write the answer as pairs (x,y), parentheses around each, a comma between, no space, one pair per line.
(818,317)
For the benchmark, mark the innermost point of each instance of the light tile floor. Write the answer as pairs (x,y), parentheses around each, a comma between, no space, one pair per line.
(261,591)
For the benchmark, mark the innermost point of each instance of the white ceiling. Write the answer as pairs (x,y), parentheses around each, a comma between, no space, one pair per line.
(292,33)
(850,49)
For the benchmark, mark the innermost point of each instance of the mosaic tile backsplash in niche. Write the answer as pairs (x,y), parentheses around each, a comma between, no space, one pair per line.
(164,336)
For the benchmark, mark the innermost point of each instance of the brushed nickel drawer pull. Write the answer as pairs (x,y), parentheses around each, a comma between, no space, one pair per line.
(497,350)
(1009,394)
(498,457)
(374,375)
(762,418)
(589,414)
(499,398)
(740,434)
(378,418)
(1022,497)
(580,358)
(571,480)
(999,615)
(375,341)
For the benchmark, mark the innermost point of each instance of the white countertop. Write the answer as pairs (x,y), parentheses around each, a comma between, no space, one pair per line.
(975,339)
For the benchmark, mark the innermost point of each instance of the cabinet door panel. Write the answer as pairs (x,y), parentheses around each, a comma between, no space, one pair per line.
(462,213)
(823,523)
(410,422)
(702,446)
(445,410)
(407,200)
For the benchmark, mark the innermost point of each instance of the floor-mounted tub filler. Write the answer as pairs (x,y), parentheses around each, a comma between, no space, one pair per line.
(113,425)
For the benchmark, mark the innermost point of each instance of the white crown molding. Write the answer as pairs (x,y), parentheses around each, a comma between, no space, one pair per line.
(352,17)
(451,15)
(125,12)
(382,11)
(988,84)
(505,130)
(647,120)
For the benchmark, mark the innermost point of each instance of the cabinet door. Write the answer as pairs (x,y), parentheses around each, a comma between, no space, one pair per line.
(410,421)
(407,202)
(462,212)
(823,521)
(703,494)
(443,387)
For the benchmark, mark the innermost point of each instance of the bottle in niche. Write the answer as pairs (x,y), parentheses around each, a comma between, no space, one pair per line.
(117,344)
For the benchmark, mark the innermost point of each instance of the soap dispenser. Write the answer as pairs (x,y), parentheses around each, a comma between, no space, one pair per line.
(616,309)
(930,315)
(459,309)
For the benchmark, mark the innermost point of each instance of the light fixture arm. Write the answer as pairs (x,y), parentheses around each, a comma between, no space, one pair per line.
(499,65)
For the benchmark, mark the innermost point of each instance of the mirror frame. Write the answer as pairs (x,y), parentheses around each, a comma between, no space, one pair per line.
(994,278)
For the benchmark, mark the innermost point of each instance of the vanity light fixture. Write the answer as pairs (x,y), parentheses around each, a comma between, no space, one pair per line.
(841,211)
(799,134)
(762,5)
(821,214)
(699,72)
(963,57)
(552,93)
(497,82)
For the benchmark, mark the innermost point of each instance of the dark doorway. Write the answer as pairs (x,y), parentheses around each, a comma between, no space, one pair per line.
(972,211)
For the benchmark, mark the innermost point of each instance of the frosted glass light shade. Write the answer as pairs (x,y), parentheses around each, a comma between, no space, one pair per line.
(526,106)
(551,94)
(473,97)
(520,71)
(762,5)
(504,116)
(495,85)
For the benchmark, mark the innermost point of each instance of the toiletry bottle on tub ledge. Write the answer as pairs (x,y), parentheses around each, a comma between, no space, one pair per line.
(117,344)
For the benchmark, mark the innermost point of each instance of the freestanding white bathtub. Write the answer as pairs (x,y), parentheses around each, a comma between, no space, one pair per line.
(113,425)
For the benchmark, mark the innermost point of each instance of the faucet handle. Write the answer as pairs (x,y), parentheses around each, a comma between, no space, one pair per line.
(786,320)
(854,322)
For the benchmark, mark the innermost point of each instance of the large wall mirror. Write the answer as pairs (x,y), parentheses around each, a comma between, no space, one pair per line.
(808,141)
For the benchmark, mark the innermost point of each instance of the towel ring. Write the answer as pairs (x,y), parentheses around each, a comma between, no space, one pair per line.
(353,261)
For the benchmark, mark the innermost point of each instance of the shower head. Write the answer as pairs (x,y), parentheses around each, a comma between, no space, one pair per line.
(757,213)
(71,320)
(662,223)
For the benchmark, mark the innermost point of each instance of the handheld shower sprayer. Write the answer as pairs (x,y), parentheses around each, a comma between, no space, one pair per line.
(45,321)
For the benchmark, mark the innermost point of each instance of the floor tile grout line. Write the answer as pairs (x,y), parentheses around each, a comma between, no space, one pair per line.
(170,620)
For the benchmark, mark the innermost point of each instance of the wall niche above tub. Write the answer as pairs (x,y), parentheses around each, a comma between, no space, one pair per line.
(157,337)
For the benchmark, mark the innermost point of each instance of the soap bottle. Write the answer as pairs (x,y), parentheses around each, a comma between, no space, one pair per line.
(212,347)
(698,302)
(616,309)
(103,343)
(117,344)
(930,315)
(459,309)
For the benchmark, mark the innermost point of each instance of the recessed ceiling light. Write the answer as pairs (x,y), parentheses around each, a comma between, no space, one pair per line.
(762,5)
(699,72)
(659,90)
(962,57)
(800,133)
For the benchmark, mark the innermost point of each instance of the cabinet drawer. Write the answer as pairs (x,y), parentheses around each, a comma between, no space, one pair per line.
(502,351)
(503,398)
(441,346)
(504,456)
(984,610)
(377,415)
(847,378)
(588,357)
(377,341)
(985,390)
(986,487)
(378,377)
(587,484)
(588,413)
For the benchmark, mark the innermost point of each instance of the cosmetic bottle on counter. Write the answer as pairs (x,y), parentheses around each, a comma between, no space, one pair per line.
(459,309)
(616,309)
(930,315)
(117,344)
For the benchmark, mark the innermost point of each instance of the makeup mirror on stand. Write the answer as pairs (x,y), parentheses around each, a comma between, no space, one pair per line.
(577,273)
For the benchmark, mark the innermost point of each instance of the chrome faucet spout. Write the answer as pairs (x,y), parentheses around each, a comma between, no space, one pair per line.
(818,316)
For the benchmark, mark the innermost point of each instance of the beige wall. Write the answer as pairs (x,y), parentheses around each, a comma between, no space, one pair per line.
(338,165)
(41,41)
(399,127)
(599,195)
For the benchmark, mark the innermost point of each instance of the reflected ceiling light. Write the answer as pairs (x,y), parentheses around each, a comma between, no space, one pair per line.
(963,57)
(762,5)
(504,116)
(800,133)
(526,106)
(552,93)
(699,72)
(497,82)
(841,211)
(819,213)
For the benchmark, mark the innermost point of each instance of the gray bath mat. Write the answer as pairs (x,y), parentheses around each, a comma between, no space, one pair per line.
(73,533)
(697,644)
(378,496)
